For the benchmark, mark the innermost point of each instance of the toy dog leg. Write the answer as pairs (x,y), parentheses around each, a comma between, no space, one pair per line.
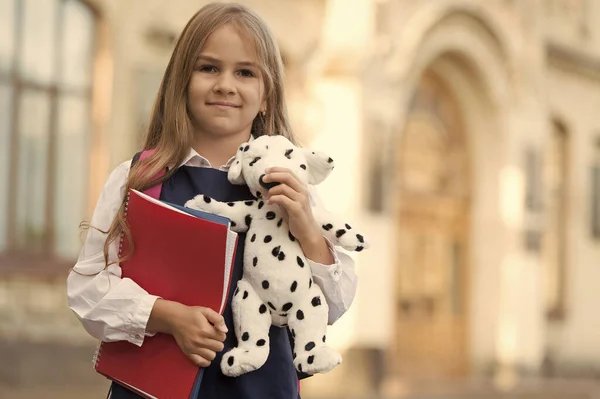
(308,324)
(252,321)
(239,212)
(340,233)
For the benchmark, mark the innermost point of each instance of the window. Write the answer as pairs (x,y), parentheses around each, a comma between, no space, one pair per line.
(45,124)
(533,200)
(378,167)
(6,60)
(533,188)
(595,204)
(5,112)
(555,236)
(596,201)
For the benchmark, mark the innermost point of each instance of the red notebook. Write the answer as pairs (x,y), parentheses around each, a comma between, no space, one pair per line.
(181,255)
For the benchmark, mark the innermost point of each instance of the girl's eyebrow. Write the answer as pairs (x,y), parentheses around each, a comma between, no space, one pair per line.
(217,61)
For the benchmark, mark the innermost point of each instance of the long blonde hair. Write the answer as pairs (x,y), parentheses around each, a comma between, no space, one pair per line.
(170,129)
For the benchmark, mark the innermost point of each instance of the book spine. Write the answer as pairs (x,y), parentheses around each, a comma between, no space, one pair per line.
(120,251)
(98,352)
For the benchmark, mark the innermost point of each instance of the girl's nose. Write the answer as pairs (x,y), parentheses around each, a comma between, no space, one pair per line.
(224,84)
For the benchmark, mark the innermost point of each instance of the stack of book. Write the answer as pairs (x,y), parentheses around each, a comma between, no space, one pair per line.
(181,255)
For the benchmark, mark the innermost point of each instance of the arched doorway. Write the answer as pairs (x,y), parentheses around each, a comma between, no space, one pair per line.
(433,186)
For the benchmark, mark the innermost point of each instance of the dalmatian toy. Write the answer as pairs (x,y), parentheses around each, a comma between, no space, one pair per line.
(277,286)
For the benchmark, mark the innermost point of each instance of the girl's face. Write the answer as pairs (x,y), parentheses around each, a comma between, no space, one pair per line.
(226,90)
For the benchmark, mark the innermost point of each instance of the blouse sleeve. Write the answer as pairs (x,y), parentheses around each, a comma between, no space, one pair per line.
(109,307)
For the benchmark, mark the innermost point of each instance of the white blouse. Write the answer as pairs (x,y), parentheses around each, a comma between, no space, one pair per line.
(112,308)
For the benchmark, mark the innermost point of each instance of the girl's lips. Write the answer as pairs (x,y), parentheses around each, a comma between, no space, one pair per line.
(223,104)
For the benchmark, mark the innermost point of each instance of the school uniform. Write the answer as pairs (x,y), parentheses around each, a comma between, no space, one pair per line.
(277,378)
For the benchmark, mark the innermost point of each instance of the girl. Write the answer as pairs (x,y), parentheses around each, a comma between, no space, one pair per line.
(223,86)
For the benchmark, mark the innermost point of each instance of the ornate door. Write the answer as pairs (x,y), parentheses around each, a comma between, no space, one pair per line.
(431,286)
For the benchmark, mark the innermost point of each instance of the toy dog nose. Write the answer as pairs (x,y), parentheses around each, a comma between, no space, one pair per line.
(267,186)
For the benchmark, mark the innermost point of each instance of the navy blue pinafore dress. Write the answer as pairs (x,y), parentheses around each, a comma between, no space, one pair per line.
(277,379)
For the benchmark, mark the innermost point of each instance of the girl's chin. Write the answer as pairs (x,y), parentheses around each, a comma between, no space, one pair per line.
(220,129)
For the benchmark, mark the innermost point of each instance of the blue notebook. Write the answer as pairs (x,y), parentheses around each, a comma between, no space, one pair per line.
(201,214)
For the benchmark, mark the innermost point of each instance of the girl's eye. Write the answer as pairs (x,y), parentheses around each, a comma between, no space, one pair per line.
(207,68)
(246,73)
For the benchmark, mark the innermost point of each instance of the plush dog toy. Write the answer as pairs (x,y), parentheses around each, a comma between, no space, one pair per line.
(277,286)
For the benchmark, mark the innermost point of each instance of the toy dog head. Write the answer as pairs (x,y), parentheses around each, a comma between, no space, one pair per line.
(253,158)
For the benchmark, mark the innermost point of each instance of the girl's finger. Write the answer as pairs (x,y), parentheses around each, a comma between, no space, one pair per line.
(284,189)
(198,360)
(283,201)
(286,176)
(212,344)
(206,354)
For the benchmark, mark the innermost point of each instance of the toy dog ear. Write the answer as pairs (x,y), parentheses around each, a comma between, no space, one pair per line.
(320,166)
(235,174)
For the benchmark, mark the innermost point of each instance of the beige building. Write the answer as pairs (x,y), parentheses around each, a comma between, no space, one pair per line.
(479,150)
(467,145)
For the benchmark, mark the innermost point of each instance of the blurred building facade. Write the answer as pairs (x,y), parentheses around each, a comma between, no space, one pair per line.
(467,145)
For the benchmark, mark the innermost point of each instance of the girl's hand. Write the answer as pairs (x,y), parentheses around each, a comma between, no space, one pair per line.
(293,199)
(199,332)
